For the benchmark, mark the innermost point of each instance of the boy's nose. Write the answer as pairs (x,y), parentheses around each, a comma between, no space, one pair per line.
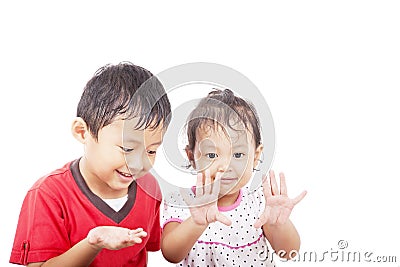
(135,164)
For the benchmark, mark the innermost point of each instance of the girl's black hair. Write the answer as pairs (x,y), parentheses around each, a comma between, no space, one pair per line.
(222,107)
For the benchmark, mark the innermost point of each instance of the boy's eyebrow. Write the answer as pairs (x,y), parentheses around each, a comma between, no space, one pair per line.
(155,144)
(131,140)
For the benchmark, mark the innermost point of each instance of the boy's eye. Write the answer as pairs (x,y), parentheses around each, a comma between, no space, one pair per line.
(125,149)
(211,155)
(152,152)
(238,155)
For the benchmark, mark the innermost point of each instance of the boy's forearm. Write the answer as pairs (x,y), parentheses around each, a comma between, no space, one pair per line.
(177,243)
(282,238)
(80,255)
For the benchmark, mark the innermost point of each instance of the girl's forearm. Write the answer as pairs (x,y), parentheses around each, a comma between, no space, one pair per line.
(179,238)
(282,238)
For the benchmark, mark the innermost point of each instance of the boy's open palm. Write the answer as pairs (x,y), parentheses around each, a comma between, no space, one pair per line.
(278,206)
(114,238)
(203,207)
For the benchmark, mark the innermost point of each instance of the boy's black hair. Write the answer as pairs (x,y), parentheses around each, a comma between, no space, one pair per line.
(221,108)
(124,90)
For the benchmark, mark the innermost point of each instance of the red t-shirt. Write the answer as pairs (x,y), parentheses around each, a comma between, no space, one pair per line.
(59,211)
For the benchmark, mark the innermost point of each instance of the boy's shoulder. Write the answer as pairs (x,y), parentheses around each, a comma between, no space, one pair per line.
(149,184)
(55,179)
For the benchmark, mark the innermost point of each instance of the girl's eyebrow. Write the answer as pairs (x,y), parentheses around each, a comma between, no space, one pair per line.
(208,146)
(240,146)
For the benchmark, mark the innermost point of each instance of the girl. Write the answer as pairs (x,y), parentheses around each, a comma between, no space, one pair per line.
(226,224)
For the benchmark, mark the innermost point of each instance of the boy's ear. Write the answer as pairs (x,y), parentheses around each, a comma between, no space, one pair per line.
(257,155)
(79,129)
(190,156)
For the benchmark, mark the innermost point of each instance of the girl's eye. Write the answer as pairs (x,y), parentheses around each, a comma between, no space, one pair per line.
(211,155)
(125,149)
(238,155)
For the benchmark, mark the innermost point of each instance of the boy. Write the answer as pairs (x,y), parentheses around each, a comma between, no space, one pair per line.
(101,209)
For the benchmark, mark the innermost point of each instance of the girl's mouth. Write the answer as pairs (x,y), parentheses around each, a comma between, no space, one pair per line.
(228,180)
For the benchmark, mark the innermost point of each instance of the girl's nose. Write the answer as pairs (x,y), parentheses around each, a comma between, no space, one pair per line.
(224,165)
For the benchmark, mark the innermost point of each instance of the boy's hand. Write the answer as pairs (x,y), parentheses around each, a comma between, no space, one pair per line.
(278,206)
(114,238)
(203,207)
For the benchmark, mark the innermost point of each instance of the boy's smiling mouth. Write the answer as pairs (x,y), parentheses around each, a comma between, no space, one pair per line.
(125,175)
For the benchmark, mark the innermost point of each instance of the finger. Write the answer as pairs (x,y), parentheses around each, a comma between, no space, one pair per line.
(263,219)
(223,219)
(141,234)
(266,186)
(135,231)
(137,236)
(207,184)
(138,231)
(300,197)
(217,185)
(283,184)
(199,185)
(260,222)
(274,185)
(185,193)
(136,240)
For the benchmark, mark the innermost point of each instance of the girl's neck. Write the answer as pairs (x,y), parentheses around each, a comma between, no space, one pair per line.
(228,199)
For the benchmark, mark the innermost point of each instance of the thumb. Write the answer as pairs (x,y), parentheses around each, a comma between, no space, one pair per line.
(299,198)
(223,219)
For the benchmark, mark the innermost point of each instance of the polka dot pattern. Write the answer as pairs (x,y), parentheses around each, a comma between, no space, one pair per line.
(237,245)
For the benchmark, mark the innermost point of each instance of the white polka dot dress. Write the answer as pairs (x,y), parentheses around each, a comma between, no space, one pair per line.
(237,245)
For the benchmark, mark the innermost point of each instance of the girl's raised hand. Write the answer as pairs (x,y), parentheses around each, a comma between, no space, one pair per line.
(278,206)
(203,207)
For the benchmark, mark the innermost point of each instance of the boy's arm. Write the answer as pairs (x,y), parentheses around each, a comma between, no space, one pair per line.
(179,238)
(84,252)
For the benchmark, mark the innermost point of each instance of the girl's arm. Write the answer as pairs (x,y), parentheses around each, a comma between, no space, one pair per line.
(283,238)
(178,239)
(277,227)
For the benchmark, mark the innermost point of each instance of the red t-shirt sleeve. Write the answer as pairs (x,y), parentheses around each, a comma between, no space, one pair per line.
(154,243)
(41,233)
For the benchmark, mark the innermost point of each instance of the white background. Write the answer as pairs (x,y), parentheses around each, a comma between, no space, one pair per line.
(329,71)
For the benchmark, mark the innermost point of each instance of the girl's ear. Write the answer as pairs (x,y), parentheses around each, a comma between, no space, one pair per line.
(190,156)
(257,155)
(79,129)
